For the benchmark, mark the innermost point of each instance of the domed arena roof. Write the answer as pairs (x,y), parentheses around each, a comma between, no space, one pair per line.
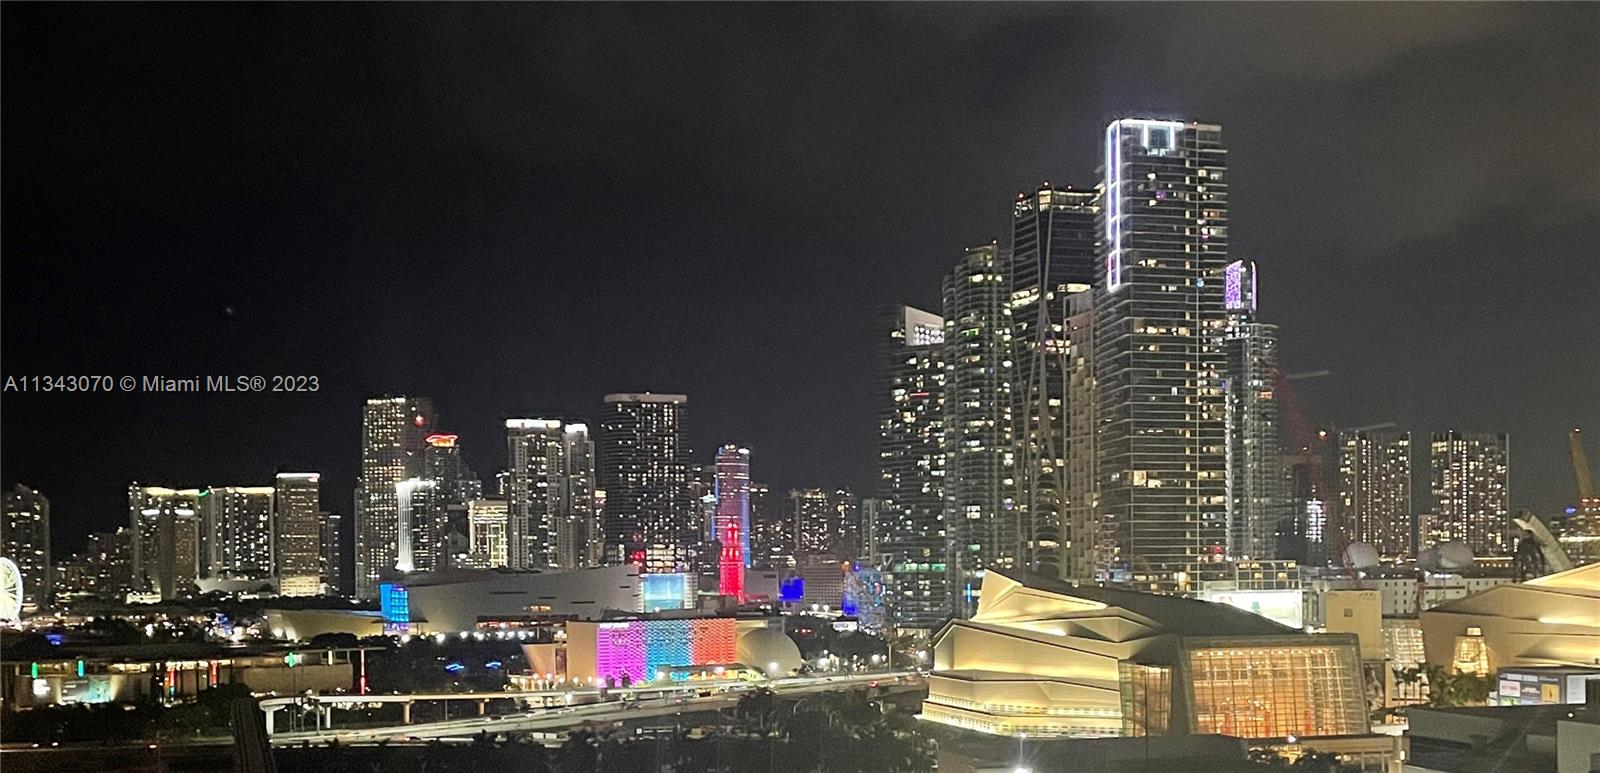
(761,647)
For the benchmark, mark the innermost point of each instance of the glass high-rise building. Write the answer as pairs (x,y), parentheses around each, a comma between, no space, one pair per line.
(1160,321)
(25,539)
(577,536)
(1375,491)
(1081,535)
(912,543)
(554,512)
(331,557)
(771,529)
(650,517)
(1258,495)
(487,520)
(1471,491)
(236,532)
(979,488)
(297,533)
(150,558)
(392,441)
(1053,235)
(533,456)
(814,522)
(732,518)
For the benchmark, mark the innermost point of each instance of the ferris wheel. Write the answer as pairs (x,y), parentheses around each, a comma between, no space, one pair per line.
(10,590)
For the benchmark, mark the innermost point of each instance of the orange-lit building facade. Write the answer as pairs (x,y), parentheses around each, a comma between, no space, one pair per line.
(1047,659)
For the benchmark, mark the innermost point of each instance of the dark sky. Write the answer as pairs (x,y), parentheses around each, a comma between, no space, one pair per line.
(519,208)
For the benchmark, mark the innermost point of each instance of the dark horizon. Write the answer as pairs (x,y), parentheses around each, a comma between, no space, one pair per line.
(515,210)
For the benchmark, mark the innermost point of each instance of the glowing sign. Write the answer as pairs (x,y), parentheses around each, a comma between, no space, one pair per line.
(442,440)
(664,591)
(792,589)
(1235,295)
(1282,606)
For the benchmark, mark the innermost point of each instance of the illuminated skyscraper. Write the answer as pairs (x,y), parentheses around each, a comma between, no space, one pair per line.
(1082,541)
(1159,358)
(1375,490)
(487,519)
(331,555)
(1471,491)
(1258,496)
(151,557)
(577,537)
(814,532)
(771,529)
(420,506)
(913,547)
(644,470)
(25,539)
(392,441)
(1052,259)
(979,487)
(236,532)
(733,518)
(297,533)
(553,515)
(847,527)
(533,455)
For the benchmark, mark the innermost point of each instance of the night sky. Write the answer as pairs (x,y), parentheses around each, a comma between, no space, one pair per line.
(515,209)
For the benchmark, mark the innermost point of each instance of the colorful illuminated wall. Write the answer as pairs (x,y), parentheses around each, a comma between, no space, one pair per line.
(638,649)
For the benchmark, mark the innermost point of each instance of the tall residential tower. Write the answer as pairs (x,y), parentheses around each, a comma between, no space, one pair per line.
(1375,491)
(911,540)
(649,516)
(1159,325)
(1053,259)
(1471,492)
(979,491)
(392,440)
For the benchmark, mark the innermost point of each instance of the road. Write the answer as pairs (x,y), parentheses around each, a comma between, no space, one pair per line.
(663,703)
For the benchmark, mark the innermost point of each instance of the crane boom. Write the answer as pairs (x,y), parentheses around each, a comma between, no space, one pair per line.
(1580,465)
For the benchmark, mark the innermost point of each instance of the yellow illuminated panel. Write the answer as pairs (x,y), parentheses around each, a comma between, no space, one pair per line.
(1276,692)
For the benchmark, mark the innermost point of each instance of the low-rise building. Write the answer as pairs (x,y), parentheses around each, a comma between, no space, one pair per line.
(1042,658)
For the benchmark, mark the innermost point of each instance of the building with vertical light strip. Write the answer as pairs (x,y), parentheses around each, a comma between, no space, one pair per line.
(297,533)
(1258,496)
(1375,491)
(732,520)
(980,490)
(1471,492)
(25,539)
(1159,325)
(155,512)
(1053,234)
(912,543)
(392,441)
(649,517)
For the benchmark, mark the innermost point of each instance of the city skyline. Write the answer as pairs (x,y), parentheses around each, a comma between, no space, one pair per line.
(1337,301)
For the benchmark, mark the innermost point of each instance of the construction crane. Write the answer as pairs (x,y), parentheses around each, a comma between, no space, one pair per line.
(1581,532)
